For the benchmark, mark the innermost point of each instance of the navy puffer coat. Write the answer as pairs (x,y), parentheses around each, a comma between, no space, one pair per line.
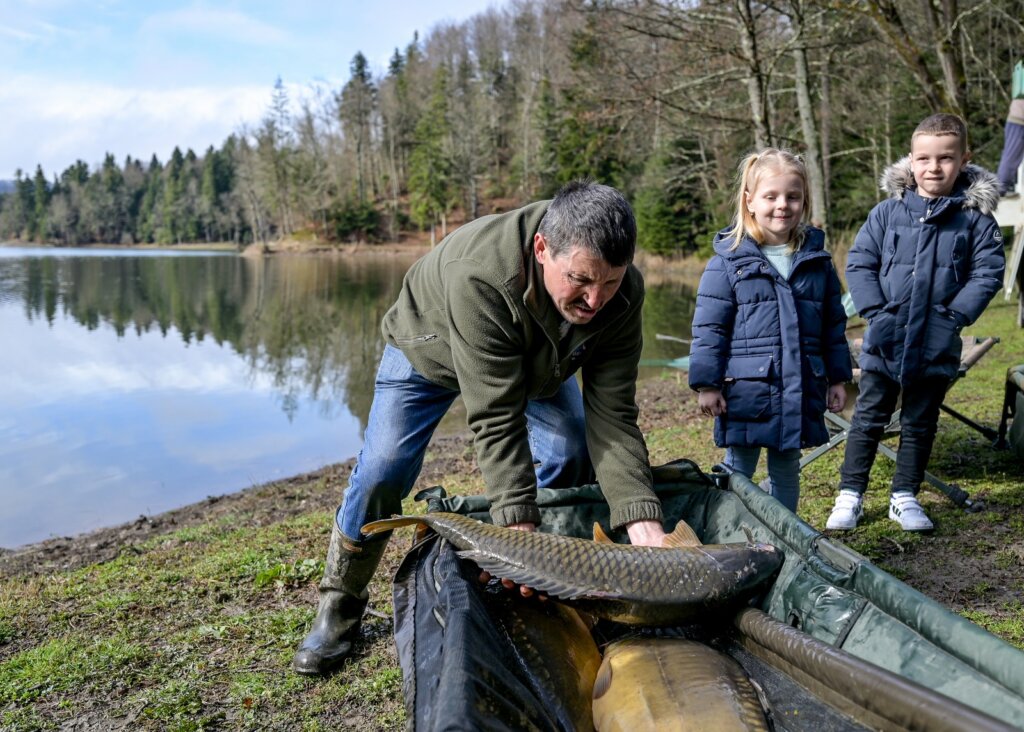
(772,345)
(921,269)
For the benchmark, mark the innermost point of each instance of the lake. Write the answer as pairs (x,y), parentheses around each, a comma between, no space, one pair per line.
(136,381)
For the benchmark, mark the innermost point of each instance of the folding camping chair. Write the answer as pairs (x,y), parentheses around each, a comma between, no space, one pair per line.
(1011,423)
(973,350)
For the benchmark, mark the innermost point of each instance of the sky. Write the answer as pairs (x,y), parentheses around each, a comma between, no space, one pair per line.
(80,78)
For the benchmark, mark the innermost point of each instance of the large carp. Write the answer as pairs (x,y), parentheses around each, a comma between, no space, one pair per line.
(639,585)
(673,684)
(554,648)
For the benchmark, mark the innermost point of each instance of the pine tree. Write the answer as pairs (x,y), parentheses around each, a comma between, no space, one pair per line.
(547,124)
(355,108)
(40,205)
(150,220)
(430,187)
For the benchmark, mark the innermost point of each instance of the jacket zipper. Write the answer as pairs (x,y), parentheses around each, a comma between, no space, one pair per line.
(416,339)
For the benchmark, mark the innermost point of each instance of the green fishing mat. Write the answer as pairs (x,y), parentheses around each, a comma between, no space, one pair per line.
(461,669)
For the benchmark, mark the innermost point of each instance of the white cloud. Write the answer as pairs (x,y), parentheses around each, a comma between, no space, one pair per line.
(221,24)
(18,34)
(66,121)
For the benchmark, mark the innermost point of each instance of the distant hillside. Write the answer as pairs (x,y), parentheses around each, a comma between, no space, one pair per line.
(6,186)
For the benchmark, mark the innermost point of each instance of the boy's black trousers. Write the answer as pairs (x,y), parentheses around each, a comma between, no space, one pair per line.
(919,420)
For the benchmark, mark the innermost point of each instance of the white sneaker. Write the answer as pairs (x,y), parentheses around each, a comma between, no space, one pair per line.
(905,510)
(847,512)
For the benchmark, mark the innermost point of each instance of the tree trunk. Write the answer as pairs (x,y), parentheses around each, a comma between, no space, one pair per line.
(756,83)
(825,123)
(886,18)
(815,177)
(947,50)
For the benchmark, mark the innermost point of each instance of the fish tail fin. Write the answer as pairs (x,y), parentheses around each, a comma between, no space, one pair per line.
(683,535)
(376,527)
(599,536)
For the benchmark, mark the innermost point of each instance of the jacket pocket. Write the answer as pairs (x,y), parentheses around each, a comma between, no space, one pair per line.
(942,338)
(747,387)
(880,338)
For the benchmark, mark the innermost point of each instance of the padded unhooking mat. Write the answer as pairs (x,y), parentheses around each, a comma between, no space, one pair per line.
(461,670)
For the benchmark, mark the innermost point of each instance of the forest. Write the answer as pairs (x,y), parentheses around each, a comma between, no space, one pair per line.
(660,98)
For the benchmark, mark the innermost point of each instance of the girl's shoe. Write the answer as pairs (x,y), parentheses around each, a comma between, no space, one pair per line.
(907,512)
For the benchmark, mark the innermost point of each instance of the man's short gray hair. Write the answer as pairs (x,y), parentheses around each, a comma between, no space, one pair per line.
(594,216)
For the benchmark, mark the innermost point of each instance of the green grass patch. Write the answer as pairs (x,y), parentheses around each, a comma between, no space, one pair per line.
(68,664)
(1007,622)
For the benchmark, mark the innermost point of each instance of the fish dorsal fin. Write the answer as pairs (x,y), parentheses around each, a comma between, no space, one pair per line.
(683,535)
(599,536)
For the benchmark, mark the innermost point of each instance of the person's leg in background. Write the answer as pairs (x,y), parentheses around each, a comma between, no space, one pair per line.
(784,475)
(919,421)
(743,459)
(876,402)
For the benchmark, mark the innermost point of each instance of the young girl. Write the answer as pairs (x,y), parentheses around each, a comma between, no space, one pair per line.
(769,351)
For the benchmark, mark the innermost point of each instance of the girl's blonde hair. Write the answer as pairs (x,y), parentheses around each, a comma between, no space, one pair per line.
(752,168)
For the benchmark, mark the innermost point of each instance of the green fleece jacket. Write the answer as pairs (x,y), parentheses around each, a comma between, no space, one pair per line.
(473,316)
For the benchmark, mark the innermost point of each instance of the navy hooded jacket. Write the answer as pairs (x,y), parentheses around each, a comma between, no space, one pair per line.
(921,269)
(772,345)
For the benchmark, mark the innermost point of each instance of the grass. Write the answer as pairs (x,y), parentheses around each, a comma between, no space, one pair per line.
(194,629)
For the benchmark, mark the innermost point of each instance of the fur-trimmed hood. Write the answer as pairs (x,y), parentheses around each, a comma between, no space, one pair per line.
(978,187)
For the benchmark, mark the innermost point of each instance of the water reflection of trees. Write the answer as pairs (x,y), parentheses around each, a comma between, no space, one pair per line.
(312,324)
(668,309)
(315,327)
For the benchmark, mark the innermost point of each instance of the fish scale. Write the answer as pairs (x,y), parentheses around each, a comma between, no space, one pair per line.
(621,582)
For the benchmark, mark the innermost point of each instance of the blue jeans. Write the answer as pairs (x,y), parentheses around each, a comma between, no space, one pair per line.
(919,421)
(783,470)
(1013,153)
(405,411)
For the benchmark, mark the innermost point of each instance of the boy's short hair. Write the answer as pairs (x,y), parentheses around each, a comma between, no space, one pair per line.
(942,124)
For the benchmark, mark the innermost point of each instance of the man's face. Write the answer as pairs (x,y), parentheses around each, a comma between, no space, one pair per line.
(579,282)
(936,161)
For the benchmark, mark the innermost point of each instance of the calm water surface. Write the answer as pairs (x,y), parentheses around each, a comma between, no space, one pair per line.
(139,381)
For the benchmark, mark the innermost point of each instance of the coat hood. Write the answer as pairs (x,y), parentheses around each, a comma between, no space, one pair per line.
(978,187)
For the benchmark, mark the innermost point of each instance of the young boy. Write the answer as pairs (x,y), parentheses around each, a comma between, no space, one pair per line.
(924,265)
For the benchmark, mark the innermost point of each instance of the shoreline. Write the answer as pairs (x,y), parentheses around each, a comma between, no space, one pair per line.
(283,246)
(273,501)
(67,553)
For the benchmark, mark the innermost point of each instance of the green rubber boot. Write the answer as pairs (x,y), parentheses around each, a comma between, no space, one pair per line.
(343,597)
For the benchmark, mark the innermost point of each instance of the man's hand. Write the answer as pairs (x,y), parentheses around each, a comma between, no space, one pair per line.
(836,397)
(712,403)
(645,533)
(525,591)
